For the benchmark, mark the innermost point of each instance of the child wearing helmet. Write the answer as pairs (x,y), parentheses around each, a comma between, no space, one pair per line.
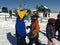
(34,29)
(50,31)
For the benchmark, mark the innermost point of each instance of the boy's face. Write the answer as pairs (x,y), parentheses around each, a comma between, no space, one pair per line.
(33,18)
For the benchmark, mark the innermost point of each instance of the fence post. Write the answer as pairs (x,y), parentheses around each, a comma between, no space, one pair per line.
(5,17)
(41,19)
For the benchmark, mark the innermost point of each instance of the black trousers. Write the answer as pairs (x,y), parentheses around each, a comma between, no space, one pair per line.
(59,34)
(21,41)
(35,40)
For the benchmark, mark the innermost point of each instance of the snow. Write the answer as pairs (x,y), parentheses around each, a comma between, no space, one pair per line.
(7,31)
(46,7)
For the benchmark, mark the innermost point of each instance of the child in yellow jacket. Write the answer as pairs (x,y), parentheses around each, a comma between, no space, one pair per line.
(20,28)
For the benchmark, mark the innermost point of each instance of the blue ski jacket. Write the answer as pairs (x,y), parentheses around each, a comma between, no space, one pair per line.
(20,28)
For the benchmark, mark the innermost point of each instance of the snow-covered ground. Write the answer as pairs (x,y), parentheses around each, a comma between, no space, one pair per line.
(7,31)
(52,15)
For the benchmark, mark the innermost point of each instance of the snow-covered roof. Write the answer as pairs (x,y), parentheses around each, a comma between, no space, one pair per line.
(45,7)
(33,10)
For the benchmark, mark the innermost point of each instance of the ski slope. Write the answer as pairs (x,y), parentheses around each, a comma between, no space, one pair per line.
(7,31)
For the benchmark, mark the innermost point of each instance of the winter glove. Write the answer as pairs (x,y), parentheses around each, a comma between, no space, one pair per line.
(29,34)
(28,27)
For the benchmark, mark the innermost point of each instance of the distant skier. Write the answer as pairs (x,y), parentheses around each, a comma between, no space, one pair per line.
(10,13)
(45,14)
(57,25)
(34,29)
(20,28)
(50,31)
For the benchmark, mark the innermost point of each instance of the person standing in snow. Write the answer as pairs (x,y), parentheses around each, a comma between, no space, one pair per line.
(57,25)
(20,28)
(50,31)
(34,29)
(10,13)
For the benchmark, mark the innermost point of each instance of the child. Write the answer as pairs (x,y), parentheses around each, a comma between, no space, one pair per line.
(50,31)
(34,29)
(10,12)
(57,25)
(20,28)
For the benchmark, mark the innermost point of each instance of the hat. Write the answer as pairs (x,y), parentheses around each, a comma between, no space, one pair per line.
(51,20)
